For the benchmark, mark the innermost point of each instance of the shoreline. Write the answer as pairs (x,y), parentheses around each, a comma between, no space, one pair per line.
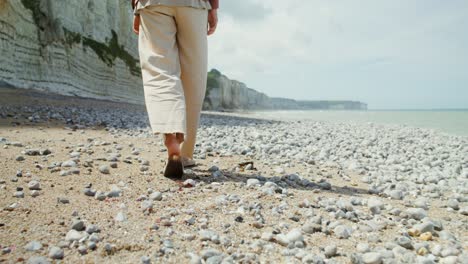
(264,190)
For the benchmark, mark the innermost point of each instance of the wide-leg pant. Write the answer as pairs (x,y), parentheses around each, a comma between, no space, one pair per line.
(173,57)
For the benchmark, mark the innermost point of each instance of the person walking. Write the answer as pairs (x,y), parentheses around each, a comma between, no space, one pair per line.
(173,52)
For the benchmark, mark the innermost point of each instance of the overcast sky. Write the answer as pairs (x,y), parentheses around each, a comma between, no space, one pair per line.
(390,54)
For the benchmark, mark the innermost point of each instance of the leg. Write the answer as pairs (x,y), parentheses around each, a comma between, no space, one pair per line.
(192,43)
(159,59)
(164,96)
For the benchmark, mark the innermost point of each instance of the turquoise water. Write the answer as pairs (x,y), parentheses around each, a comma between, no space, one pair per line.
(449,121)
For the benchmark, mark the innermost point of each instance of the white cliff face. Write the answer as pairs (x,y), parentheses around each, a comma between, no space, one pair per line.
(77,47)
(231,94)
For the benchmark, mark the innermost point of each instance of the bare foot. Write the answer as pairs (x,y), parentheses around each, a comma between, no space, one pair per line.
(172,144)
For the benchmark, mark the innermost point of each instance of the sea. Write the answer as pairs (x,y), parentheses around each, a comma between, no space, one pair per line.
(454,122)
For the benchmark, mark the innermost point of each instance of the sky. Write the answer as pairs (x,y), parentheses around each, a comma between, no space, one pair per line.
(396,54)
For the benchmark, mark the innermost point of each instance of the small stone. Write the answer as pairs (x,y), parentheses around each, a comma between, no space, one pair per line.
(453,203)
(375,205)
(342,231)
(89,192)
(362,248)
(121,217)
(414,232)
(147,205)
(78,225)
(311,228)
(19,158)
(63,200)
(100,196)
(189,183)
(405,242)
(372,258)
(38,260)
(92,229)
(83,250)
(416,213)
(35,193)
(206,235)
(74,235)
(145,260)
(422,251)
(104,169)
(18,194)
(34,185)
(426,236)
(294,235)
(155,196)
(92,245)
(56,253)
(69,163)
(252,182)
(33,246)
(330,251)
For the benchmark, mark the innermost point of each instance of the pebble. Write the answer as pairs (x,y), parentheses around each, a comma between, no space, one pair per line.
(33,246)
(78,225)
(19,158)
(342,231)
(34,185)
(145,260)
(252,182)
(155,196)
(74,235)
(372,258)
(38,260)
(330,251)
(405,242)
(104,169)
(121,217)
(69,163)
(416,213)
(56,253)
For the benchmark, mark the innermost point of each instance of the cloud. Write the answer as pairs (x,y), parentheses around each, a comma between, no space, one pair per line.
(258,41)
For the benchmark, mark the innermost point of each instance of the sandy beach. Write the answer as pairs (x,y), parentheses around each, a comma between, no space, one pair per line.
(81,182)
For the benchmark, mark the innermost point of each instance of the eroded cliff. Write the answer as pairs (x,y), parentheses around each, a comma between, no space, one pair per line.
(84,48)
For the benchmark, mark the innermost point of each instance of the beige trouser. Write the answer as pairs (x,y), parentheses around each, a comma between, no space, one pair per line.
(173,58)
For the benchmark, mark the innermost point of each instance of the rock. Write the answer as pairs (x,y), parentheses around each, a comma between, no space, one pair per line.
(311,228)
(89,192)
(252,182)
(100,196)
(464,210)
(189,183)
(372,258)
(416,213)
(362,248)
(405,242)
(104,169)
(74,235)
(83,250)
(423,227)
(207,235)
(342,231)
(330,251)
(18,194)
(78,225)
(38,260)
(19,158)
(294,235)
(34,185)
(453,203)
(426,236)
(209,252)
(56,253)
(121,217)
(147,205)
(92,229)
(68,164)
(145,260)
(33,246)
(375,205)
(155,196)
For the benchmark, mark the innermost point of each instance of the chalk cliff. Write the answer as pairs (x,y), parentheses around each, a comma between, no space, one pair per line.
(75,47)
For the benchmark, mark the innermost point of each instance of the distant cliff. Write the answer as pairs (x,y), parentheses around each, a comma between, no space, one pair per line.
(225,94)
(87,48)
